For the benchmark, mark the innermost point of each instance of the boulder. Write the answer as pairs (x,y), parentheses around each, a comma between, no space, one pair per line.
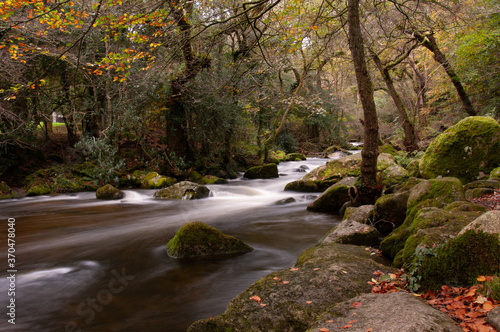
(461,260)
(488,223)
(362,214)
(294,298)
(334,170)
(153,180)
(389,211)
(335,151)
(286,201)
(197,239)
(478,192)
(413,168)
(108,192)
(495,174)
(262,172)
(277,156)
(467,150)
(434,192)
(211,179)
(183,190)
(493,318)
(332,200)
(492,184)
(391,312)
(38,190)
(295,157)
(353,232)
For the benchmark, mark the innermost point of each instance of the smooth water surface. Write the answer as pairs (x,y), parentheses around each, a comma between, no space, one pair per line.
(90,265)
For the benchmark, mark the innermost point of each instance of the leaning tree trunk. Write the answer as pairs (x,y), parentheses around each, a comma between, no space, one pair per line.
(367,190)
(429,42)
(410,138)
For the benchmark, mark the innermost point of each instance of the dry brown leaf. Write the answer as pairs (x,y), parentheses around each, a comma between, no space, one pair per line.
(324,330)
(481,278)
(256,298)
(357,304)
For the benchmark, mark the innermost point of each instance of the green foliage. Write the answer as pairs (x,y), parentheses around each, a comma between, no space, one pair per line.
(405,158)
(414,276)
(104,156)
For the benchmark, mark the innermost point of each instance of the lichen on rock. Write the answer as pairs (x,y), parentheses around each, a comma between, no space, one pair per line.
(183,190)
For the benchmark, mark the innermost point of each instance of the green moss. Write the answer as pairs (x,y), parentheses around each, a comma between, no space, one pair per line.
(387,148)
(37,191)
(495,174)
(262,172)
(210,179)
(295,157)
(395,242)
(461,260)
(198,239)
(108,192)
(467,150)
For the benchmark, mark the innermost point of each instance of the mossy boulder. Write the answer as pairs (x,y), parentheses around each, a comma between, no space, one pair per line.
(390,211)
(488,223)
(267,171)
(362,214)
(492,184)
(335,151)
(183,190)
(309,186)
(295,157)
(6,192)
(332,200)
(59,179)
(38,190)
(467,150)
(353,232)
(335,170)
(413,168)
(108,192)
(197,239)
(478,192)
(461,260)
(387,148)
(435,192)
(495,174)
(153,180)
(277,156)
(293,299)
(211,179)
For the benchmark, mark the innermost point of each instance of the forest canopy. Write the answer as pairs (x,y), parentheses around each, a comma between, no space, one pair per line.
(180,85)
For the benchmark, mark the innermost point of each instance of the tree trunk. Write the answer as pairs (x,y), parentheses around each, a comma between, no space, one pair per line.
(429,42)
(367,189)
(410,138)
(177,128)
(420,88)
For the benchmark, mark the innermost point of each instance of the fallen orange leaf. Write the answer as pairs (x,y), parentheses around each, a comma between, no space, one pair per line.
(488,306)
(329,321)
(256,298)
(324,330)
(345,326)
(369,330)
(294,269)
(357,304)
(481,278)
(309,302)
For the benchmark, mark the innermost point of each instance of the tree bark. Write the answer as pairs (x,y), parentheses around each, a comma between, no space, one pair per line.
(410,138)
(367,189)
(177,127)
(428,41)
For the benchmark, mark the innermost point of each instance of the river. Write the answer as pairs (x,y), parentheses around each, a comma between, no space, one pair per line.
(90,265)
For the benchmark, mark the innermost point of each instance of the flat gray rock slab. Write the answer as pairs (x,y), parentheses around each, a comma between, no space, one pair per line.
(392,312)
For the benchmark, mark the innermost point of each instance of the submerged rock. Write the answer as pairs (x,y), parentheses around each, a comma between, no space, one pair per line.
(183,190)
(197,239)
(108,192)
(467,150)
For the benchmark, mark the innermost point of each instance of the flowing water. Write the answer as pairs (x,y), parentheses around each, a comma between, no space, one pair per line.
(90,265)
